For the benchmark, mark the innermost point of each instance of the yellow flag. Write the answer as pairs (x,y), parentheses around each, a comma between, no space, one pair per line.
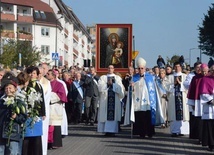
(134,54)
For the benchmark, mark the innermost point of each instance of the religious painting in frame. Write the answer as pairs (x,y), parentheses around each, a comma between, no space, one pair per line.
(114,46)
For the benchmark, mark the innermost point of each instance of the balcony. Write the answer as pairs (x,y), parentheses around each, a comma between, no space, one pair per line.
(8,34)
(76,37)
(75,52)
(83,43)
(66,47)
(75,46)
(66,31)
(88,48)
(7,17)
(25,35)
(74,56)
(25,19)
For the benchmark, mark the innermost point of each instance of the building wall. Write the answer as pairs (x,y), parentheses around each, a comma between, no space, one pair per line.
(39,40)
(65,35)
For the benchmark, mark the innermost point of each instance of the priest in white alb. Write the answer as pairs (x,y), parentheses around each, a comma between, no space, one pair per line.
(47,97)
(178,110)
(111,92)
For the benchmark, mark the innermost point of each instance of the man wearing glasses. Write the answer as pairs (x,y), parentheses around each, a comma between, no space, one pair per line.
(145,101)
(111,92)
(178,112)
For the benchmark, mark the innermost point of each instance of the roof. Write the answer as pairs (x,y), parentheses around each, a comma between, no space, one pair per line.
(39,5)
(18,2)
(72,17)
(49,13)
(36,4)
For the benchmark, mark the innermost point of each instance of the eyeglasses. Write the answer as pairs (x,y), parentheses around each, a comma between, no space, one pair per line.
(140,68)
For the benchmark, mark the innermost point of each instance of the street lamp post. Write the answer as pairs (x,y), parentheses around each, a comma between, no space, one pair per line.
(190,55)
(56,39)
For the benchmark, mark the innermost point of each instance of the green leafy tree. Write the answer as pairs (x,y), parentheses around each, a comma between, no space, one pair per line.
(11,50)
(174,58)
(206,33)
(30,55)
(8,56)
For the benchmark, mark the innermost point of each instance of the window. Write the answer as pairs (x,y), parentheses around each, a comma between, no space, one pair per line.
(45,31)
(37,14)
(24,12)
(45,49)
(24,29)
(43,14)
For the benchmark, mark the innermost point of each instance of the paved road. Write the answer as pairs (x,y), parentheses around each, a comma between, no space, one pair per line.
(84,140)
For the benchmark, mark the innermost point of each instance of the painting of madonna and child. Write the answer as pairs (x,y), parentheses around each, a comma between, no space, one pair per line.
(114,46)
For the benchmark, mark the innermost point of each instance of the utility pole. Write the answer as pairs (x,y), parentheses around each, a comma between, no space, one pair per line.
(133,60)
(190,55)
(56,38)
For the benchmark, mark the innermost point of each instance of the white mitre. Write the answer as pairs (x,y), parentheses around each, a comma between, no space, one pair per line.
(141,62)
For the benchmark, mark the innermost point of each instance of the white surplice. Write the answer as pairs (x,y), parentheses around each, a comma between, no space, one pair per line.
(45,83)
(64,126)
(103,124)
(178,126)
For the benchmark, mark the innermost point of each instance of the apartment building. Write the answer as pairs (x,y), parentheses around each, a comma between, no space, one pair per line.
(92,31)
(51,26)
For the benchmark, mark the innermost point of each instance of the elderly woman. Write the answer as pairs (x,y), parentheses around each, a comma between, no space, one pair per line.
(12,116)
(161,83)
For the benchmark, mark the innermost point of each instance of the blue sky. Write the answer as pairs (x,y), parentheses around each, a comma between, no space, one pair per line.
(160,27)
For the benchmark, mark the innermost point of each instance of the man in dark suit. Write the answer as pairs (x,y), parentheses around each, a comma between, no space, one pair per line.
(76,95)
(126,83)
(91,96)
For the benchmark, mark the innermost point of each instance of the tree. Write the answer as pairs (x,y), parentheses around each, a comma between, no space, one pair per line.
(206,33)
(30,55)
(8,56)
(11,50)
(174,58)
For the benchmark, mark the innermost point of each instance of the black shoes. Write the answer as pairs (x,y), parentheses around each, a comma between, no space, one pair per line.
(210,149)
(91,123)
(176,135)
(110,134)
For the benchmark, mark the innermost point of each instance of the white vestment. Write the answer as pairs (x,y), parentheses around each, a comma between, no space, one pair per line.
(103,124)
(64,126)
(47,91)
(141,102)
(208,109)
(177,126)
(186,83)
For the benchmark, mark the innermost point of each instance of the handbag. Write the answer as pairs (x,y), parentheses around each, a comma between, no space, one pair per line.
(35,129)
(15,134)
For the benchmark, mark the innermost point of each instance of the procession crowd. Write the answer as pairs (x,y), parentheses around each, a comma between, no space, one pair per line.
(38,102)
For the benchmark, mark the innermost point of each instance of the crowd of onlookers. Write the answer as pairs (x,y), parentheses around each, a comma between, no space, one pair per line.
(38,102)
